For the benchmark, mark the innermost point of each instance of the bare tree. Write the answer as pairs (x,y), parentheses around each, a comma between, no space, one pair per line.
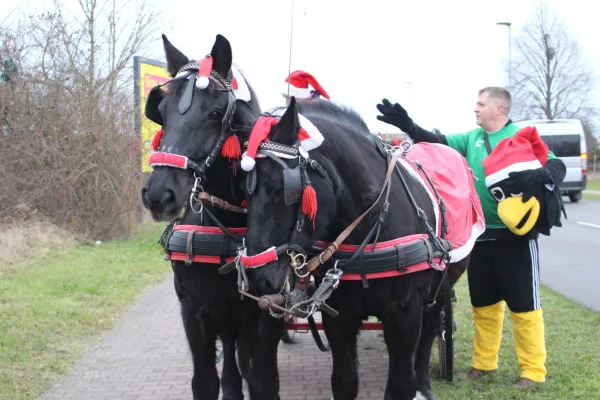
(550,78)
(68,150)
(588,129)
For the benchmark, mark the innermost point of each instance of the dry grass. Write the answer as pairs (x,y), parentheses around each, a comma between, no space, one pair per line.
(24,240)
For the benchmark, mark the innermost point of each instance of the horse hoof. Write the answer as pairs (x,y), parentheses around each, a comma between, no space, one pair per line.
(424,394)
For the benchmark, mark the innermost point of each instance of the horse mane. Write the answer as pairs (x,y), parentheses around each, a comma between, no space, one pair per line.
(343,128)
(330,117)
(343,115)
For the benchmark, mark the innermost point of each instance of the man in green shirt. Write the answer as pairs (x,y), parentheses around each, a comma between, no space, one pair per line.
(504,268)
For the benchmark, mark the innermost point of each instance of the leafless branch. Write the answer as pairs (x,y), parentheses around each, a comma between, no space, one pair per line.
(551,78)
(67,146)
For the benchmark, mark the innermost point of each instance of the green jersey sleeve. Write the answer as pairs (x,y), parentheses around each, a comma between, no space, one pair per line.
(459,141)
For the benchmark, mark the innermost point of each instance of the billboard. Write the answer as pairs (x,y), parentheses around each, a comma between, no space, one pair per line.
(147,74)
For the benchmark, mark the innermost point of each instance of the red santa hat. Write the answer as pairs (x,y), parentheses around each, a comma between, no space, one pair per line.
(298,82)
(240,87)
(525,150)
(204,70)
(309,136)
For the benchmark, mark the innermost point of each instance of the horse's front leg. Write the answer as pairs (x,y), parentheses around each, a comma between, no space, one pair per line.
(341,332)
(231,380)
(401,331)
(265,333)
(200,335)
(201,339)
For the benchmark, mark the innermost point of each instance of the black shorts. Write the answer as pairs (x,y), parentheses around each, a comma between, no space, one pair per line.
(505,269)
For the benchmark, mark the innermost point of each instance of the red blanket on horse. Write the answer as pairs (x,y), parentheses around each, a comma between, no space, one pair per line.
(453,180)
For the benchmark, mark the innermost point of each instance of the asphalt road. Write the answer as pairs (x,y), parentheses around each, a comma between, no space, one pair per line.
(570,256)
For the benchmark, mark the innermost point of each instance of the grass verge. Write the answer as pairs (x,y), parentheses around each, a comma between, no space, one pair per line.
(53,307)
(573,355)
(593,185)
(591,196)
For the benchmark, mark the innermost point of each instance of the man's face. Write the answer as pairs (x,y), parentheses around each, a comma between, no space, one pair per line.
(486,110)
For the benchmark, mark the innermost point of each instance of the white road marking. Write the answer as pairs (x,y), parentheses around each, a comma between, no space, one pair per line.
(588,224)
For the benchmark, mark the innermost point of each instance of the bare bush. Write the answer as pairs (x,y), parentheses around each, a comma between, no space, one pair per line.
(68,150)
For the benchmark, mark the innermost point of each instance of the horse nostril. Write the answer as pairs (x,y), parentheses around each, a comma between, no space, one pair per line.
(168,197)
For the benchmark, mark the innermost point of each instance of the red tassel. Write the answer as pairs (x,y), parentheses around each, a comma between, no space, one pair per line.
(231,148)
(309,203)
(157,139)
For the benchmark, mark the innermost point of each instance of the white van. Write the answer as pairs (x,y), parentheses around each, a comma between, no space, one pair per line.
(566,139)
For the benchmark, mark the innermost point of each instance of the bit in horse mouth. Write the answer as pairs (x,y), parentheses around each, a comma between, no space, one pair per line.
(267,301)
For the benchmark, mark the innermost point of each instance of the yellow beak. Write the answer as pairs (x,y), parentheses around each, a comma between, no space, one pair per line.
(512,211)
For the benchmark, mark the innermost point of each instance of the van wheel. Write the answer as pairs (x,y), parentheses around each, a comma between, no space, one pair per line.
(574,197)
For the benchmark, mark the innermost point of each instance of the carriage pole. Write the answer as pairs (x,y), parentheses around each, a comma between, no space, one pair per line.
(290,57)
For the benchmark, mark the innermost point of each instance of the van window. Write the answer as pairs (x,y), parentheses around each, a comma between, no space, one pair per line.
(563,145)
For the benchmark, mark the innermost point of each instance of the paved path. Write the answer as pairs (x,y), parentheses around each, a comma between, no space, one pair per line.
(145,357)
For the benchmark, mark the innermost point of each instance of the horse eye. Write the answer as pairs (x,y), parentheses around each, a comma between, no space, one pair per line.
(216,115)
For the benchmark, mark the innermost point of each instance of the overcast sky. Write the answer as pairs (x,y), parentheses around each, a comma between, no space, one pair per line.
(431,56)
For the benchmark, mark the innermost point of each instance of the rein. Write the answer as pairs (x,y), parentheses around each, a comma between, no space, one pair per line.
(222,204)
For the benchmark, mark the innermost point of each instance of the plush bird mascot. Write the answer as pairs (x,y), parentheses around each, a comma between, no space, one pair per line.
(538,205)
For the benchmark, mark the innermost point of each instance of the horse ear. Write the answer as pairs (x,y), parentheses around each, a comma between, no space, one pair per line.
(175,58)
(286,131)
(221,55)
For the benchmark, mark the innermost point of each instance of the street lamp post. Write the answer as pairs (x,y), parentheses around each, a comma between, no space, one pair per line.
(509,55)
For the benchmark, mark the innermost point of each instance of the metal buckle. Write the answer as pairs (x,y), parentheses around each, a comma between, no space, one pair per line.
(333,275)
(195,190)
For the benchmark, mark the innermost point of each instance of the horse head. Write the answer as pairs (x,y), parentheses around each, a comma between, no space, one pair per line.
(284,186)
(199,110)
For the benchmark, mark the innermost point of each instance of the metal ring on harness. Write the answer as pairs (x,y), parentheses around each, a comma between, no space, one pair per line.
(296,265)
(193,199)
(335,265)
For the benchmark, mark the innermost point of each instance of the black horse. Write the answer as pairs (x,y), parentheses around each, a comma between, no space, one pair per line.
(347,173)
(197,123)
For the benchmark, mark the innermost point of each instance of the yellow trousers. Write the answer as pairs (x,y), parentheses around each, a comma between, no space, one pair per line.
(528,332)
